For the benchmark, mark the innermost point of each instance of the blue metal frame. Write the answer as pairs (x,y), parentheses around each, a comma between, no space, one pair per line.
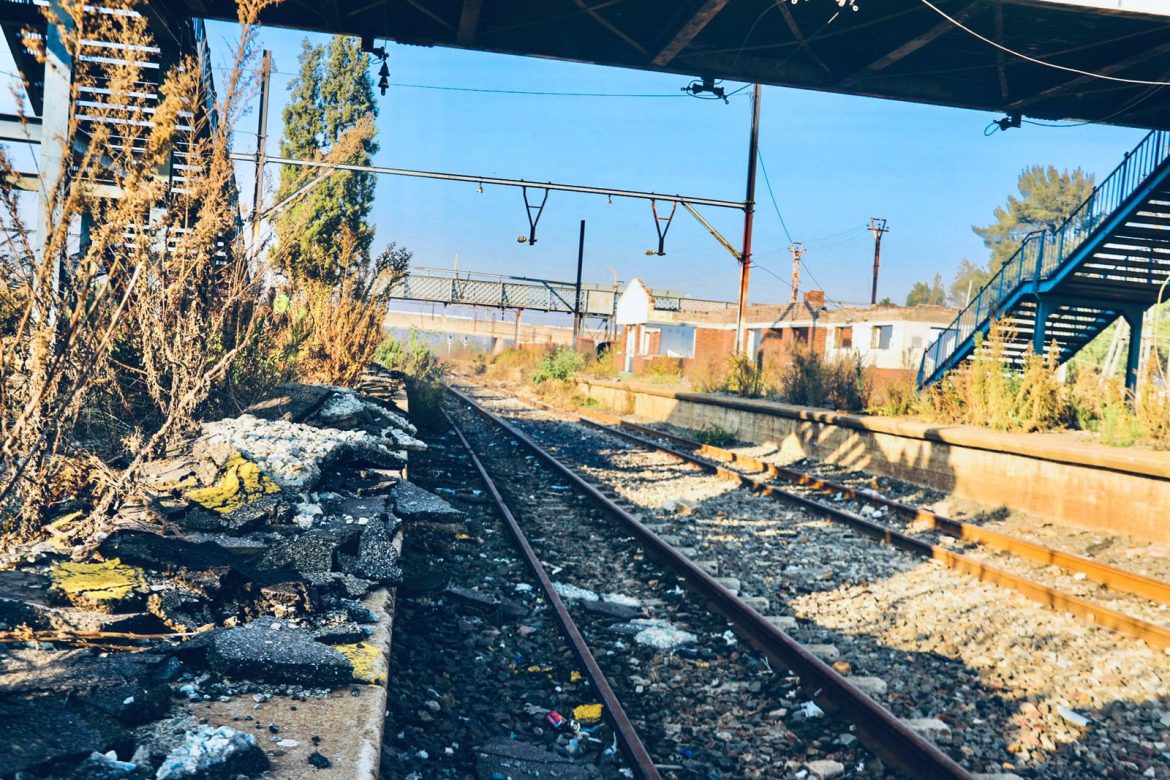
(1041,264)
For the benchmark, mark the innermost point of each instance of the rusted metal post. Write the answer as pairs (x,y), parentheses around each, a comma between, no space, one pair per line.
(261,148)
(577,299)
(749,211)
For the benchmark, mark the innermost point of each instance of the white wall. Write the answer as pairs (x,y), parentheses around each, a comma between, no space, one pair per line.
(906,342)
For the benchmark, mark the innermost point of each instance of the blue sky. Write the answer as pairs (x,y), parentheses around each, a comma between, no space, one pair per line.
(834,161)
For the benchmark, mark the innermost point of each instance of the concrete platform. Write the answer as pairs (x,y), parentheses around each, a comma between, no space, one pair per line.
(349,723)
(1031,473)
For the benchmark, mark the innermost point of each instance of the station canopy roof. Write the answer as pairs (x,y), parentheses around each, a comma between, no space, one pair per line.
(899,49)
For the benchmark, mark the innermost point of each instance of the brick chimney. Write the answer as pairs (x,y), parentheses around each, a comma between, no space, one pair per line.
(815,298)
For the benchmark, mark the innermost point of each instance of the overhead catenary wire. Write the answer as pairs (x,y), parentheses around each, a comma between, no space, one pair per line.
(1037,60)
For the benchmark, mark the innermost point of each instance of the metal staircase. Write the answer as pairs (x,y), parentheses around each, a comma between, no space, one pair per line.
(1109,259)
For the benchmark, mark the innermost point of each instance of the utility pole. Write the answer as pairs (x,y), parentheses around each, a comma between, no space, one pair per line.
(877,226)
(797,250)
(577,300)
(261,148)
(749,211)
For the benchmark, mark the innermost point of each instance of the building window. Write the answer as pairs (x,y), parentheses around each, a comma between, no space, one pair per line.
(800,335)
(881,336)
(845,338)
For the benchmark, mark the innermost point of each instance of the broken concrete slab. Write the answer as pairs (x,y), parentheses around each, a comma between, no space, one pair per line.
(522,761)
(312,551)
(354,509)
(287,655)
(108,586)
(377,559)
(414,504)
(180,610)
(291,402)
(242,483)
(41,730)
(610,609)
(483,600)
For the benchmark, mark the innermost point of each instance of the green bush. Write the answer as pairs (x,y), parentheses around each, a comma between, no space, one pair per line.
(810,380)
(715,436)
(425,375)
(560,364)
(415,358)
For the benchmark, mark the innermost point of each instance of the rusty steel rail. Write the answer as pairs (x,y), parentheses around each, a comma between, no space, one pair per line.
(895,742)
(628,740)
(1151,633)
(1111,577)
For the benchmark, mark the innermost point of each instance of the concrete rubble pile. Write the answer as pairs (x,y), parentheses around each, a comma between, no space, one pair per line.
(250,573)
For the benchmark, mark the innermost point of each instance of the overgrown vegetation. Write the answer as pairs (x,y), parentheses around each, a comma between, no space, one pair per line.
(560,365)
(811,380)
(986,393)
(112,351)
(425,374)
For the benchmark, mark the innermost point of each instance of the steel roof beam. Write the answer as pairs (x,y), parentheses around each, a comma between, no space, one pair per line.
(689,31)
(469,21)
(910,46)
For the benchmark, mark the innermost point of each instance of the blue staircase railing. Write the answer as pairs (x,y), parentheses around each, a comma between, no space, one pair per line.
(1042,254)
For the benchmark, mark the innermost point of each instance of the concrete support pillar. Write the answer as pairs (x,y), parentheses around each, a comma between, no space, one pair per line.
(516,334)
(1133,356)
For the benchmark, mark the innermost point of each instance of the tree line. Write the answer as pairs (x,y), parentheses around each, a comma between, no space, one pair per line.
(1046,197)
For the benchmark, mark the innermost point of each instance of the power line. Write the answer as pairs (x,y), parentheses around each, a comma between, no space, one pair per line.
(1036,61)
(776,206)
(531,92)
(772,195)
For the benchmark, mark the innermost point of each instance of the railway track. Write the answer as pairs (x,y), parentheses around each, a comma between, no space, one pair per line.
(1033,742)
(771,692)
(919,530)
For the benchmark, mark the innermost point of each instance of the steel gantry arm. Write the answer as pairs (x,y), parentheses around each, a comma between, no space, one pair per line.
(501,182)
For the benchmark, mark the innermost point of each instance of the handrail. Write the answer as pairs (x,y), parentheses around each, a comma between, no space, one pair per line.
(1042,253)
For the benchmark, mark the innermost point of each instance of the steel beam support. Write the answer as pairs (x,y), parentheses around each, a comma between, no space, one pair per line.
(1133,355)
(1044,308)
(13,129)
(54,151)
(690,30)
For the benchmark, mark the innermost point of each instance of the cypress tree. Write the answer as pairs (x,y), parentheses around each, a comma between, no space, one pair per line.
(331,93)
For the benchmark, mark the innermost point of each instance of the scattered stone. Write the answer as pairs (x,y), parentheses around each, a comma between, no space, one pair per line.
(825,769)
(106,766)
(660,634)
(1073,717)
(288,655)
(930,728)
(214,754)
(785,623)
(827,653)
(319,761)
(870,686)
